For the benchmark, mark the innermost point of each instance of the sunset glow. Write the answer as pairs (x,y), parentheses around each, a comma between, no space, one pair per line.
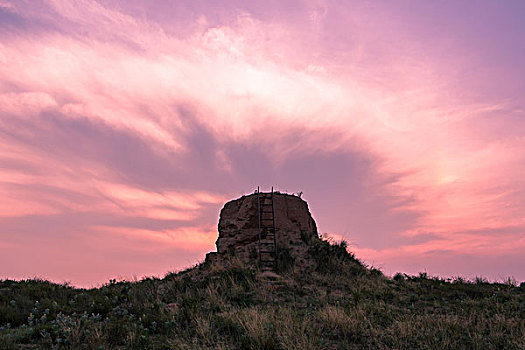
(125,126)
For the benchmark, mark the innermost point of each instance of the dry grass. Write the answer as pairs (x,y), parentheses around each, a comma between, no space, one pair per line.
(342,305)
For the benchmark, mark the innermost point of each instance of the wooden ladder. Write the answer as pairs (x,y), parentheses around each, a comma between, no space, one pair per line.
(267,230)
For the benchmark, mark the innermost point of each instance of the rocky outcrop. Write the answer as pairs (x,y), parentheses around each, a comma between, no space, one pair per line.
(239,228)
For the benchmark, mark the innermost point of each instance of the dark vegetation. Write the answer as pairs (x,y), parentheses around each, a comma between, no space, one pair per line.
(342,305)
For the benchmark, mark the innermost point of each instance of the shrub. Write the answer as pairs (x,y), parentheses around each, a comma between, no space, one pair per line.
(399,277)
(334,257)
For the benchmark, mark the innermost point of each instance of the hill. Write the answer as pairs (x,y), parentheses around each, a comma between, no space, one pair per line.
(339,304)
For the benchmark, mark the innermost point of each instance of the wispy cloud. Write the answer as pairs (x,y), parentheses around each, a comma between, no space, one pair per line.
(118,111)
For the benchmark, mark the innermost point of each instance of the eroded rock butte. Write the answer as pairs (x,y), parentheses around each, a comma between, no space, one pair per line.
(239,229)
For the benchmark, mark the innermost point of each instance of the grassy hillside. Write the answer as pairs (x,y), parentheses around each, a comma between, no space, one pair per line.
(343,304)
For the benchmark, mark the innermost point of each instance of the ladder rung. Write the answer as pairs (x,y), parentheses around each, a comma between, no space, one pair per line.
(267,231)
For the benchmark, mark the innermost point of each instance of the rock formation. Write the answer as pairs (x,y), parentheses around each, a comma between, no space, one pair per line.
(239,228)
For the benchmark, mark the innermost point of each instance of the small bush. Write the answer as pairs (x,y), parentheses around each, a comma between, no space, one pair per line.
(334,257)
(399,277)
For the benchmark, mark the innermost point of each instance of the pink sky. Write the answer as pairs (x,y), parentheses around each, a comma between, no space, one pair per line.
(125,126)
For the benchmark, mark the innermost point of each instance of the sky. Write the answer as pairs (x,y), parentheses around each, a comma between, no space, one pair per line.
(126,125)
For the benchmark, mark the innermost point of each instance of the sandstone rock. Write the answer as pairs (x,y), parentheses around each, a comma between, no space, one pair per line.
(239,228)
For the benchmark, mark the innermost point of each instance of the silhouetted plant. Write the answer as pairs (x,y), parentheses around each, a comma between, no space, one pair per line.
(399,277)
(333,257)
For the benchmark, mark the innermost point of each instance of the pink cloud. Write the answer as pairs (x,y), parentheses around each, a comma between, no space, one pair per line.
(114,112)
(192,239)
